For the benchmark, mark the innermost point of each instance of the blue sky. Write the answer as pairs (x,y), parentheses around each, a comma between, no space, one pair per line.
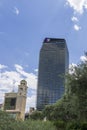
(23,26)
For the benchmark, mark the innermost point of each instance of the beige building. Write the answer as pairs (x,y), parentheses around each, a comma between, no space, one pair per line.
(15,103)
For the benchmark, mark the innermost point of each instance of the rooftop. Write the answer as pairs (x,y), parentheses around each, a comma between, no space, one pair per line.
(54,40)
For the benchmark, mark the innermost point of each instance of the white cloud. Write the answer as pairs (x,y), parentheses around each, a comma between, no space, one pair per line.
(36,70)
(31,102)
(2,66)
(18,67)
(72,65)
(78,5)
(1,97)
(77,27)
(16,11)
(74,19)
(10,80)
(30,77)
(83,58)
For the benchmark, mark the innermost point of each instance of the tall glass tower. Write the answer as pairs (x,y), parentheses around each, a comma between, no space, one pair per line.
(53,63)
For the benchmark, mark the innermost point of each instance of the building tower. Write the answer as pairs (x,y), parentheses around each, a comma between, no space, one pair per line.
(21,99)
(53,63)
(15,103)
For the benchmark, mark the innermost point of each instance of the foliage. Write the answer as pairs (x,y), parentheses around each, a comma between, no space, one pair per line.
(73,126)
(73,105)
(70,111)
(36,115)
(64,110)
(8,123)
(5,120)
(40,125)
(76,126)
(47,112)
(84,126)
(60,125)
(77,89)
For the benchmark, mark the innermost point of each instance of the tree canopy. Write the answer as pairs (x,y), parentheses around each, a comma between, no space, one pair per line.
(73,105)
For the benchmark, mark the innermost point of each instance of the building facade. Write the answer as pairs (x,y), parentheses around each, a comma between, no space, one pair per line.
(15,103)
(53,63)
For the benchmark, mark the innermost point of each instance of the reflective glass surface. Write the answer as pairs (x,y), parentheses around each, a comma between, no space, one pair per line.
(53,63)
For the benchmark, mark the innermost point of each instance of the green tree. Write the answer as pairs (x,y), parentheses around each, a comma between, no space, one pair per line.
(36,115)
(8,123)
(5,121)
(73,105)
(77,89)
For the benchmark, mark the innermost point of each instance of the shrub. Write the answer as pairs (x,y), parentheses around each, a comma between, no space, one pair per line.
(73,126)
(84,126)
(36,115)
(39,125)
(60,125)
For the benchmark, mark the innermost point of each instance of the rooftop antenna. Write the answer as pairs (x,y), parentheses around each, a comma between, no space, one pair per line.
(13,87)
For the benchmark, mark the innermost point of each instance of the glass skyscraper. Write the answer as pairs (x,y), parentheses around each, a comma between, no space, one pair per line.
(53,63)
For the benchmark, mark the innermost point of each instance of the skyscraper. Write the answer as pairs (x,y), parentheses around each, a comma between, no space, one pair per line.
(53,63)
